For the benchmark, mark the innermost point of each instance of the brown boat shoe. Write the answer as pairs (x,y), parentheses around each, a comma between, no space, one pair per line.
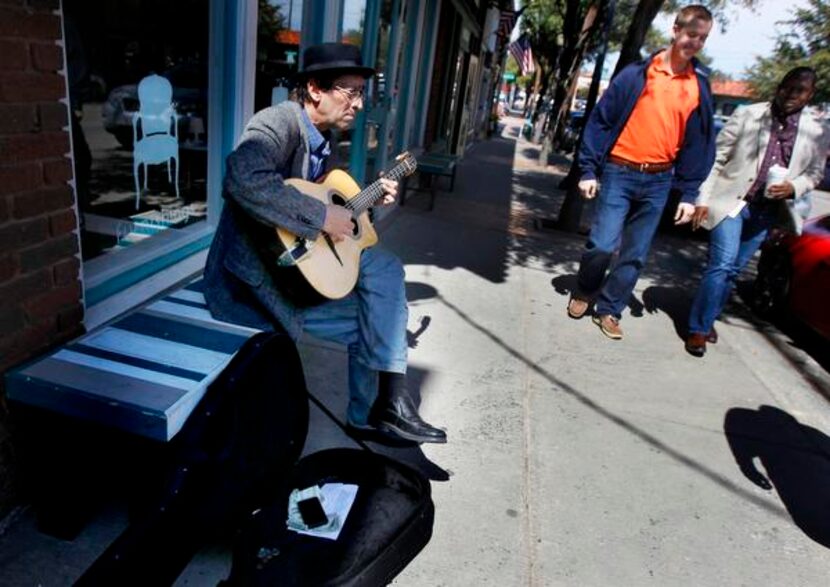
(609,326)
(577,307)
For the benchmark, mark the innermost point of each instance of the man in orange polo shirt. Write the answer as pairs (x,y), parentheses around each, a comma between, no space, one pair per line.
(651,132)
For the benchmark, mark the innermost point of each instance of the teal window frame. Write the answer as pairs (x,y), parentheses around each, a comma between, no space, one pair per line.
(230,51)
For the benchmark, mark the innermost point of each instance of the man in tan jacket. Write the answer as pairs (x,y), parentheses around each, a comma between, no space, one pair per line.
(769,156)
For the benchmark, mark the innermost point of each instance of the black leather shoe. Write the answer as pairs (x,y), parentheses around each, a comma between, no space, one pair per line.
(696,344)
(398,418)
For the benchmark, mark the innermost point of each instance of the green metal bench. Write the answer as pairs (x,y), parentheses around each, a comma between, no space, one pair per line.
(431,166)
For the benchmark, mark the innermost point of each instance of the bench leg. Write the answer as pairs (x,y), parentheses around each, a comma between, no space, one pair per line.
(58,477)
(452,179)
(70,466)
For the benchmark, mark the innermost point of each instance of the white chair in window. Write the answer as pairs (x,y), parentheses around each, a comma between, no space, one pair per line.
(156,123)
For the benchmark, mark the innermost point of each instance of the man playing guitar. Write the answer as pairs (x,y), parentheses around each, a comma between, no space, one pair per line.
(290,140)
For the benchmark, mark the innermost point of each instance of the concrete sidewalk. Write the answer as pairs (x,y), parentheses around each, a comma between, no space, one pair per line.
(572,459)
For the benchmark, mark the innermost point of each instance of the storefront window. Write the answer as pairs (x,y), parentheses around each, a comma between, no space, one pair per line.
(354,18)
(138,82)
(353,29)
(278,50)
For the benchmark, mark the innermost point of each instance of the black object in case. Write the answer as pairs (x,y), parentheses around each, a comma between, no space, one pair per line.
(237,454)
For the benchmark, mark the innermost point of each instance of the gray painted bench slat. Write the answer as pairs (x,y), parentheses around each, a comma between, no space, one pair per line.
(144,373)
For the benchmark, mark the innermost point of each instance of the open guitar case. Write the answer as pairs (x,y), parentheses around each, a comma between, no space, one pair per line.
(233,466)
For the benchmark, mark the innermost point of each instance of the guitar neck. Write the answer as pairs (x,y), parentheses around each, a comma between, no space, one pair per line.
(374,192)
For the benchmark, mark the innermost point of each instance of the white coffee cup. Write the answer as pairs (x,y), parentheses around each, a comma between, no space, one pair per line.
(776,175)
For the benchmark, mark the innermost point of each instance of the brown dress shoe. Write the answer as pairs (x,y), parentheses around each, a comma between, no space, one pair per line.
(577,307)
(609,325)
(712,337)
(696,344)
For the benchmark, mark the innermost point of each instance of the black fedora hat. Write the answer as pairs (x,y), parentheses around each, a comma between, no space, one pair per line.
(334,57)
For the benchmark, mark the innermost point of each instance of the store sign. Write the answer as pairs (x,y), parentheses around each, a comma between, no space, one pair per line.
(509,77)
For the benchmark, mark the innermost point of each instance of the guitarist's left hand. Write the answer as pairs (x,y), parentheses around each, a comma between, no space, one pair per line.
(390,190)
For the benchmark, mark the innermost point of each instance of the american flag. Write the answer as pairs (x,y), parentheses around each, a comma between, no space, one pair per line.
(523,54)
(507,20)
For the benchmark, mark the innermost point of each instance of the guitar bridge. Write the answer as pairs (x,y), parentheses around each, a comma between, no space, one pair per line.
(295,254)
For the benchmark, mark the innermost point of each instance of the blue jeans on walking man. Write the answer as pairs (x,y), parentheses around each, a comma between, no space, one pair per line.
(629,207)
(732,243)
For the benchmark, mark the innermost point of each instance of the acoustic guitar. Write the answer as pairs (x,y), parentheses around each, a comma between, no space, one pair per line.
(315,270)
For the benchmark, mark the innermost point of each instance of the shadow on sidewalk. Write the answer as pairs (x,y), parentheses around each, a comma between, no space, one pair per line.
(482,197)
(673,301)
(795,457)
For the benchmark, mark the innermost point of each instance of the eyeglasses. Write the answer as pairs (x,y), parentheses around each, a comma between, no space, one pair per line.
(352,94)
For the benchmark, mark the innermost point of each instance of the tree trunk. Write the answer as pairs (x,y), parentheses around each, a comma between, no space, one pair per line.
(544,83)
(635,37)
(570,213)
(577,29)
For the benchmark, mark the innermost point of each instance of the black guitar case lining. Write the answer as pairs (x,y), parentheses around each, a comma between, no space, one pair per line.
(389,523)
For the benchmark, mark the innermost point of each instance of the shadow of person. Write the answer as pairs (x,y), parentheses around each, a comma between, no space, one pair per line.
(412,337)
(672,301)
(416,291)
(795,457)
(635,306)
(564,285)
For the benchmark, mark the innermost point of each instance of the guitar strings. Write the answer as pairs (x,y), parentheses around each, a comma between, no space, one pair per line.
(373,192)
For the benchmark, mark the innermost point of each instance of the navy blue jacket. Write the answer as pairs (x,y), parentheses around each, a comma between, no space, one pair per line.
(695,157)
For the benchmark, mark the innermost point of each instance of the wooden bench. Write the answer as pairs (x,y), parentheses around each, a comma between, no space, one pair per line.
(98,413)
(431,166)
(143,374)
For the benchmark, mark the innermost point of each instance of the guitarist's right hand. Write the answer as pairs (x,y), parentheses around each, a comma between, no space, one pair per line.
(338,224)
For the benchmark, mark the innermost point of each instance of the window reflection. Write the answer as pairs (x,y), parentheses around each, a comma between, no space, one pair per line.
(354,18)
(138,94)
(278,50)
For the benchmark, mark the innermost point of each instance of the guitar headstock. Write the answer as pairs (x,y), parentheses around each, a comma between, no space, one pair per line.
(407,163)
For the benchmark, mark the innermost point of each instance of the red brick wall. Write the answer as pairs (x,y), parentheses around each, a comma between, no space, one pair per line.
(40,291)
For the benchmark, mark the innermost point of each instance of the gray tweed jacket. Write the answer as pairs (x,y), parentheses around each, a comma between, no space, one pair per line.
(238,287)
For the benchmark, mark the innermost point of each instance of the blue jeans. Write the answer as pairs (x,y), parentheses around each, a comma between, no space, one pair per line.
(628,211)
(371,323)
(731,245)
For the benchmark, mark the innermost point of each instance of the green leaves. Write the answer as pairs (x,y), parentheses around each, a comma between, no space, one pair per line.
(806,41)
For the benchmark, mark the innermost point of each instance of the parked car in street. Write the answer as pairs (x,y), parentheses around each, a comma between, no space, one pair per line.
(189,81)
(794,276)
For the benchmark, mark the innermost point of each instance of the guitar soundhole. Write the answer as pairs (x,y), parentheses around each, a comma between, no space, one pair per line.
(339,200)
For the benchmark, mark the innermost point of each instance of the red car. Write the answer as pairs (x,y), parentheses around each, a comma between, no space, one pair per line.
(794,275)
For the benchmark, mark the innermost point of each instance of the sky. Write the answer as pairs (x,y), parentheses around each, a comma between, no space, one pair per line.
(749,34)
